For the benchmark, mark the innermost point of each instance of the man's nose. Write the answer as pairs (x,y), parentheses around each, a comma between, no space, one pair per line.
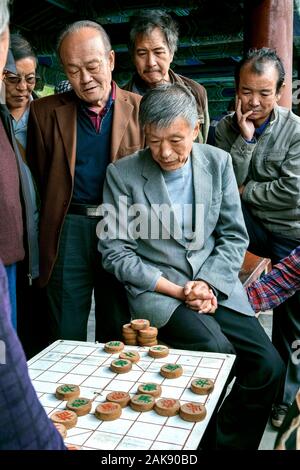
(165,150)
(22,84)
(255,100)
(151,60)
(85,76)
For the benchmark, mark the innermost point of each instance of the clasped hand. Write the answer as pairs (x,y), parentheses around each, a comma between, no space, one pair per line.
(200,297)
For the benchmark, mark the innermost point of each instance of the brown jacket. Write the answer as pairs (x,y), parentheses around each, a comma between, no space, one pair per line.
(198,91)
(51,154)
(11,222)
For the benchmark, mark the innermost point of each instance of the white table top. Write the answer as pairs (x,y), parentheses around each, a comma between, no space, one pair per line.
(87,365)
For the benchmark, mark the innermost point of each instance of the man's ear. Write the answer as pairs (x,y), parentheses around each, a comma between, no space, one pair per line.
(111,59)
(279,93)
(196,130)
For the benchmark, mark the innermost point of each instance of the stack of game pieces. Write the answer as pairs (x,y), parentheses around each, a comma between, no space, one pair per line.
(129,335)
(147,336)
(139,332)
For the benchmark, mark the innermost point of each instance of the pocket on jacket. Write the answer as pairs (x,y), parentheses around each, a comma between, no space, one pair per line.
(273,161)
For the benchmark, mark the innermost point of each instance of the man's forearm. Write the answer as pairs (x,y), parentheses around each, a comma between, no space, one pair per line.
(164,286)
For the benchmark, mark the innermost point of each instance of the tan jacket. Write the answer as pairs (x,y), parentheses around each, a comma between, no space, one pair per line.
(51,154)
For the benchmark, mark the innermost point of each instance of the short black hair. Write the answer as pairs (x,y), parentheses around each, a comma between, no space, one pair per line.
(20,48)
(257,59)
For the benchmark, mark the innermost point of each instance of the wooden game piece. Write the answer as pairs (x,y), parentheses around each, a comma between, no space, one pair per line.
(132,356)
(150,332)
(192,412)
(147,342)
(142,402)
(67,392)
(130,342)
(81,406)
(114,346)
(167,406)
(171,371)
(122,398)
(150,389)
(108,411)
(140,324)
(66,417)
(121,366)
(61,429)
(202,386)
(158,351)
(127,331)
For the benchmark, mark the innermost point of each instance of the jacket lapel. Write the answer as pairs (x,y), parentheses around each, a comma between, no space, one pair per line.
(156,192)
(66,118)
(121,117)
(202,181)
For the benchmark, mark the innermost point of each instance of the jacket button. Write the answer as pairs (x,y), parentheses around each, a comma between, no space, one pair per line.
(189,255)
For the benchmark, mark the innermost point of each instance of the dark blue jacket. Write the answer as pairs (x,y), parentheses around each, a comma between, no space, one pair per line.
(24,424)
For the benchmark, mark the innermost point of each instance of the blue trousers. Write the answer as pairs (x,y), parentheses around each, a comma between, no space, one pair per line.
(11,272)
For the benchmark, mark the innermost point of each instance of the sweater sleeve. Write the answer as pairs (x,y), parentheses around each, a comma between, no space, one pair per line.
(24,424)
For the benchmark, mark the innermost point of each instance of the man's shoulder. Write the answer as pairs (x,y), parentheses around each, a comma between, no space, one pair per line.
(53,101)
(130,167)
(134,160)
(287,114)
(191,83)
(214,155)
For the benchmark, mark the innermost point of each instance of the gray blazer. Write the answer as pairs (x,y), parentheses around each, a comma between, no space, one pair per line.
(139,262)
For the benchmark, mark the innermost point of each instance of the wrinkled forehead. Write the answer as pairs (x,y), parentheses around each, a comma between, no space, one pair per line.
(83,44)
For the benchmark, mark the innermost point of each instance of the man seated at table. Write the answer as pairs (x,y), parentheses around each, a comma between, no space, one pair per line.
(173,233)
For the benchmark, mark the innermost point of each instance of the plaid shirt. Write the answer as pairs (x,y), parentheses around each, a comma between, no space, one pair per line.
(278,285)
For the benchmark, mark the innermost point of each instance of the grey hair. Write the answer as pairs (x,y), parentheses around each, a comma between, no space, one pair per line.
(75,27)
(149,20)
(165,103)
(4,15)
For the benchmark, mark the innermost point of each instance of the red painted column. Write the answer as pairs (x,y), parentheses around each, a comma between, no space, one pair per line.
(269,23)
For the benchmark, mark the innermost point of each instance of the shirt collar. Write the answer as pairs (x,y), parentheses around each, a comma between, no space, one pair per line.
(89,109)
(259,130)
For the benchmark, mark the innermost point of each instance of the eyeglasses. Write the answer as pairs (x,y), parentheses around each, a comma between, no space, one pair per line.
(13,79)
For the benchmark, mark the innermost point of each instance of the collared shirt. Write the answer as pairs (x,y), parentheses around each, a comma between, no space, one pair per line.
(20,128)
(95,116)
(259,130)
(278,285)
